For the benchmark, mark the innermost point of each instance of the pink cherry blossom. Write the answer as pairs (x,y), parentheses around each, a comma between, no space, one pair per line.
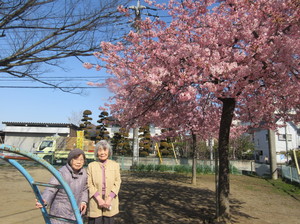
(88,65)
(214,62)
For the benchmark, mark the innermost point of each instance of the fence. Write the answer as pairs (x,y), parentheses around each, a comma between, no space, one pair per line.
(249,166)
(126,162)
(290,173)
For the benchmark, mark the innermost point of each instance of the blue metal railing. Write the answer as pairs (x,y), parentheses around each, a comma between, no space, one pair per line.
(34,185)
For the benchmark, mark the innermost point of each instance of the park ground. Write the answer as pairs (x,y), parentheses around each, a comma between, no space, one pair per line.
(160,198)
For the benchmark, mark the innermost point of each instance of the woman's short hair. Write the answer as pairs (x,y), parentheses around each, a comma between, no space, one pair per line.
(103,144)
(74,154)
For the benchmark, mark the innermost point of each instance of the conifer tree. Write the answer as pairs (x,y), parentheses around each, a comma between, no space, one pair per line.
(86,124)
(120,142)
(101,130)
(145,140)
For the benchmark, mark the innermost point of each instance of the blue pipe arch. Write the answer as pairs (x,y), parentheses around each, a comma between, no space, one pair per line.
(34,184)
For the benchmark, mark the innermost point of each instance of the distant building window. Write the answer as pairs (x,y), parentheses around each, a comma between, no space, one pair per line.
(282,137)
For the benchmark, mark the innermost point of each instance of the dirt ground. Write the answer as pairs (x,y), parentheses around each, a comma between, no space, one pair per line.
(162,198)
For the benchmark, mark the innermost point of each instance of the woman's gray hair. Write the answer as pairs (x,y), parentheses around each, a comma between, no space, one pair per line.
(103,144)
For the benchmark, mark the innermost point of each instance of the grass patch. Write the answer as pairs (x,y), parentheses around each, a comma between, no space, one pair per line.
(284,187)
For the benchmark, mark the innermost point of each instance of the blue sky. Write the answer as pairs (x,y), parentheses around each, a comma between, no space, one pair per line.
(52,105)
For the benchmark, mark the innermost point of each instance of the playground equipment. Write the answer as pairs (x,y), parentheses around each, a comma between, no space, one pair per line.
(158,153)
(296,161)
(160,157)
(177,163)
(23,155)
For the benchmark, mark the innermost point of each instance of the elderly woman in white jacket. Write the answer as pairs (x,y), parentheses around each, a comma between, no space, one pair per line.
(104,183)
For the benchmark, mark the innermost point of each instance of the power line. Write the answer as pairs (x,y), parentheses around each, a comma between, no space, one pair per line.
(63,77)
(66,80)
(49,87)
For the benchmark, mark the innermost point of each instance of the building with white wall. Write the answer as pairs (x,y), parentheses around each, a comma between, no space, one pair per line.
(286,138)
(27,135)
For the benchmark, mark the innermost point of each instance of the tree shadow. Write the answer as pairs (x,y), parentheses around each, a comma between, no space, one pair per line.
(235,208)
(167,198)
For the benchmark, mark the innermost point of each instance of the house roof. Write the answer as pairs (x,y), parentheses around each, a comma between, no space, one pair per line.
(38,124)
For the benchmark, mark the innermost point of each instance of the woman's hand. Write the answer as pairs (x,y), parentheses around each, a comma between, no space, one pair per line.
(107,203)
(39,205)
(83,208)
(100,201)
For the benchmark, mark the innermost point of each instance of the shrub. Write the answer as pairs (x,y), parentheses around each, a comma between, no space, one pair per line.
(201,169)
(140,167)
(144,154)
(162,168)
(183,168)
(150,167)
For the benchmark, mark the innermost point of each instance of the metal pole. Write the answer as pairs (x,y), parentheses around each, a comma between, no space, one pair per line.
(286,145)
(217,183)
(174,154)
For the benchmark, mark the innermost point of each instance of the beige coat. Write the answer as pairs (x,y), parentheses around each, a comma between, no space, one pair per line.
(113,183)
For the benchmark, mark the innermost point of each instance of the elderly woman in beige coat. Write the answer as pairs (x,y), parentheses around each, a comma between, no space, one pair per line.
(104,182)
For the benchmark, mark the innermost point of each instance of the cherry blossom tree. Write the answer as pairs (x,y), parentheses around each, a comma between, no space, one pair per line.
(214,62)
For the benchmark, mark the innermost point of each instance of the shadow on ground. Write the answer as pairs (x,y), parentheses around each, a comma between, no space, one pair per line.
(166,198)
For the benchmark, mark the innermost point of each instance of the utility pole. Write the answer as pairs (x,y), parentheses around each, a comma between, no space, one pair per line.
(135,146)
(138,8)
(135,157)
(272,154)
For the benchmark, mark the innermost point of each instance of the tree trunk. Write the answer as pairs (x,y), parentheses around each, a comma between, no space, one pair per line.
(194,167)
(223,213)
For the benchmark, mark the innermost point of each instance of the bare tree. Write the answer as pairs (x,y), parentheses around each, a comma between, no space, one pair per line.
(37,33)
(75,117)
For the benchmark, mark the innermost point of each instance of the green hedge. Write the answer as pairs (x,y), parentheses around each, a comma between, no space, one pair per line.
(200,169)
